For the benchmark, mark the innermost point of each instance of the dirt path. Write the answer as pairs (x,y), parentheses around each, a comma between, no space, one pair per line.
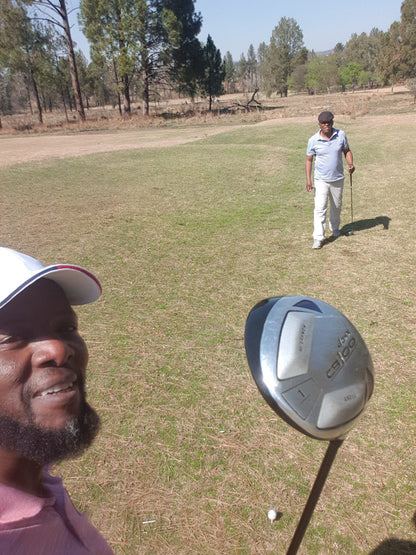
(21,149)
(34,148)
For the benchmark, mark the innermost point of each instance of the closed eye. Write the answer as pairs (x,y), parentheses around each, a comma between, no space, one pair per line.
(9,339)
(69,328)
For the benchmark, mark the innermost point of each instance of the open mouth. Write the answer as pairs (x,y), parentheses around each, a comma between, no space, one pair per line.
(56,400)
(60,388)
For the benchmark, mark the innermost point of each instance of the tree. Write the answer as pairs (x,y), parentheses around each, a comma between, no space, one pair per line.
(85,83)
(230,72)
(241,66)
(297,80)
(5,92)
(22,47)
(350,75)
(285,43)
(408,37)
(183,51)
(252,67)
(261,59)
(62,83)
(151,39)
(100,77)
(322,75)
(247,70)
(365,50)
(356,49)
(261,53)
(55,13)
(111,27)
(389,65)
(211,84)
(143,38)
(46,74)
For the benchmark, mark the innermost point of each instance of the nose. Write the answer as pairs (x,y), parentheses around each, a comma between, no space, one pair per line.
(51,351)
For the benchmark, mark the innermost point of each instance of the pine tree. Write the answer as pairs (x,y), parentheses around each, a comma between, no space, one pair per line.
(211,84)
(408,37)
(111,29)
(285,43)
(183,53)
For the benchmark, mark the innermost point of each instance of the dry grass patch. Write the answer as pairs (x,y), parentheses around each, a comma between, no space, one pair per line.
(227,111)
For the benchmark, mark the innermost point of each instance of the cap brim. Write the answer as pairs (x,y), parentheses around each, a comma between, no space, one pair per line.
(78,284)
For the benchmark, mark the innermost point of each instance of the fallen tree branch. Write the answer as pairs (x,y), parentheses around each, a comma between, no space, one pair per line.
(249,104)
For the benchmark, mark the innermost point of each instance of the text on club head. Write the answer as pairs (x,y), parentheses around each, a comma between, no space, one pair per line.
(342,357)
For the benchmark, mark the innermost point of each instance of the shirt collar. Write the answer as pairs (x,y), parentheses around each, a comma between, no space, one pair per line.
(334,134)
(17,505)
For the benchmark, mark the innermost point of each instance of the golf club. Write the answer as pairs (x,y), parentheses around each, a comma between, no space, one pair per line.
(350,230)
(313,368)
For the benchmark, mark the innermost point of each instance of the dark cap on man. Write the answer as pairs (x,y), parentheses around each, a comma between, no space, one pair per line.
(325,116)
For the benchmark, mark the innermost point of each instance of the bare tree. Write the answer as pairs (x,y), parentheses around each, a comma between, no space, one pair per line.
(56,13)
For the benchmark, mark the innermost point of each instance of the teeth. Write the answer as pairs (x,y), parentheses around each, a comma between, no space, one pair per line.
(57,389)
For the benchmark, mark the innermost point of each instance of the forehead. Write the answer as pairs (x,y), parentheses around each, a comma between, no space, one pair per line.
(43,300)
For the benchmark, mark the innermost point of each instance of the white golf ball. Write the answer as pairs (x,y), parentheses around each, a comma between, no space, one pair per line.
(272,514)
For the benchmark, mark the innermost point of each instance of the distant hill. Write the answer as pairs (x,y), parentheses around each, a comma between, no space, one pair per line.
(324,53)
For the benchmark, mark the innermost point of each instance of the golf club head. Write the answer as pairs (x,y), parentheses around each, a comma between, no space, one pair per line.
(310,364)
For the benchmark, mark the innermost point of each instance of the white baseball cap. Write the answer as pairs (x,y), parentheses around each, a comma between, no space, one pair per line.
(18,271)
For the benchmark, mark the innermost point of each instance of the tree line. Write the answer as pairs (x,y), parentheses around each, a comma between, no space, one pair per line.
(144,49)
(149,50)
(366,60)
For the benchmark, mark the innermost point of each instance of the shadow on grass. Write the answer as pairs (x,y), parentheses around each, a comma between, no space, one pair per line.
(395,547)
(360,225)
(217,111)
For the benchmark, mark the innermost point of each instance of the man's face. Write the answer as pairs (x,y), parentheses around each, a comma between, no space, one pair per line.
(326,126)
(43,363)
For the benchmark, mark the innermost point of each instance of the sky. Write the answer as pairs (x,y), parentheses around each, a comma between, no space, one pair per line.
(235,24)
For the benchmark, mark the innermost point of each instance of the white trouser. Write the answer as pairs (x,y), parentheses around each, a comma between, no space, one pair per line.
(323,191)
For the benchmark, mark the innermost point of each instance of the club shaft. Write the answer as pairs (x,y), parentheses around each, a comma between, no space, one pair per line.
(352,213)
(314,495)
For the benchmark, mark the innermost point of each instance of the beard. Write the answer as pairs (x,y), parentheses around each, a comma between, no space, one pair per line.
(45,446)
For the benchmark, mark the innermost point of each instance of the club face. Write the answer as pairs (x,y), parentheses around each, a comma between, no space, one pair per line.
(310,364)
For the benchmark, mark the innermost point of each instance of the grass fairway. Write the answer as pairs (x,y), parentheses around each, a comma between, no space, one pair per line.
(186,240)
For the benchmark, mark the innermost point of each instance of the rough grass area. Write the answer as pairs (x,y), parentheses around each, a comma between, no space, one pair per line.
(227,111)
(186,240)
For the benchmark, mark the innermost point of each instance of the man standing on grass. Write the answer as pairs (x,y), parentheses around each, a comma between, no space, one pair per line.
(327,147)
(44,415)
